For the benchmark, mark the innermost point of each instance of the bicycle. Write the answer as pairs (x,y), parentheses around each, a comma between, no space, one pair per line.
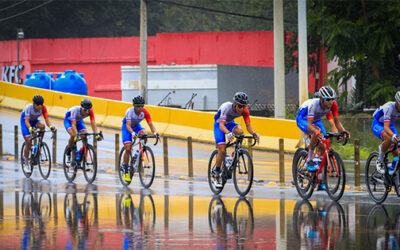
(142,161)
(382,183)
(39,155)
(332,166)
(242,164)
(87,159)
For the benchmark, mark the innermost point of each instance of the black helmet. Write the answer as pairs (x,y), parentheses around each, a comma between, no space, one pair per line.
(138,101)
(86,104)
(38,100)
(326,92)
(241,98)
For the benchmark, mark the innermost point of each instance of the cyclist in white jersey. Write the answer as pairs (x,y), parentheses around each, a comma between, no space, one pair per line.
(30,120)
(224,124)
(384,128)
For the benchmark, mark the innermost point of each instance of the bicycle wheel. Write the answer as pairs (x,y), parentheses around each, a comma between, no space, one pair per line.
(91,208)
(335,176)
(303,217)
(44,161)
(147,167)
(70,206)
(243,218)
(378,224)
(335,223)
(147,212)
(126,210)
(217,216)
(374,180)
(69,174)
(210,177)
(90,164)
(121,168)
(25,165)
(45,205)
(304,181)
(243,173)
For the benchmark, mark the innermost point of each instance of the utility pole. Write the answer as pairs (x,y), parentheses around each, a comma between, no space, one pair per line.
(303,53)
(279,63)
(143,50)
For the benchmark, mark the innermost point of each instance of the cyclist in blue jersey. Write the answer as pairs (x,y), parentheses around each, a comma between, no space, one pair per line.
(309,121)
(226,128)
(383,127)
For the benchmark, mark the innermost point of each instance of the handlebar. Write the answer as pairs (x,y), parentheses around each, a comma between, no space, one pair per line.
(36,133)
(144,137)
(240,138)
(89,134)
(342,136)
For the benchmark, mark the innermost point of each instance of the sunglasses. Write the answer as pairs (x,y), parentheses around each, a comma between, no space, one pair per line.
(86,110)
(329,99)
(241,106)
(139,106)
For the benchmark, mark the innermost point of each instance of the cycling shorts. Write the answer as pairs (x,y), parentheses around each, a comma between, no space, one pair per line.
(126,135)
(377,128)
(219,135)
(24,128)
(80,125)
(302,124)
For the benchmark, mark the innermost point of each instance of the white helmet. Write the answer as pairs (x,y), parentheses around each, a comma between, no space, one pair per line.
(397,96)
(326,92)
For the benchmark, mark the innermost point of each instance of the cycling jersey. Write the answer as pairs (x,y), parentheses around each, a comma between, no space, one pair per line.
(387,112)
(30,112)
(312,109)
(227,113)
(135,119)
(75,113)
(130,115)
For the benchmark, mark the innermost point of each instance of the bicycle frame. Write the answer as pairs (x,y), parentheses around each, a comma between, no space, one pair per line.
(238,147)
(83,137)
(142,141)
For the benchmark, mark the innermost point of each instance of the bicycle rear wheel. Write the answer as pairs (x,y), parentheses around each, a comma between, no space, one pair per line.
(147,167)
(304,181)
(335,223)
(374,180)
(121,171)
(335,176)
(210,177)
(90,164)
(26,166)
(69,173)
(243,173)
(147,211)
(44,161)
(243,218)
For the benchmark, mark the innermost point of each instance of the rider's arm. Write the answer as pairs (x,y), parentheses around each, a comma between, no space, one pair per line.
(338,124)
(46,116)
(73,127)
(129,126)
(332,125)
(246,118)
(27,124)
(223,127)
(149,121)
(311,128)
(92,121)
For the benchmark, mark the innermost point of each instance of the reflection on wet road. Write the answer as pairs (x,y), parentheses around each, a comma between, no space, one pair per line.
(38,214)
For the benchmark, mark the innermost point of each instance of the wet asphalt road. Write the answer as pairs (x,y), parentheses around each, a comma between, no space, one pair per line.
(35,213)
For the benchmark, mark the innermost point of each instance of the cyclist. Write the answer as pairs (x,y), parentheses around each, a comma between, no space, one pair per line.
(131,127)
(225,126)
(309,117)
(73,123)
(30,120)
(383,127)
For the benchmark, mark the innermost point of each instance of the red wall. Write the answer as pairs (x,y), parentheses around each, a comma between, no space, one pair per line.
(100,59)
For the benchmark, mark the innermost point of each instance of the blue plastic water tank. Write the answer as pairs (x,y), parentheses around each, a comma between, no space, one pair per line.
(39,79)
(71,82)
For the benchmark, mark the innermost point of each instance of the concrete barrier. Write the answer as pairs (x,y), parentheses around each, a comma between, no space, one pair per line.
(172,122)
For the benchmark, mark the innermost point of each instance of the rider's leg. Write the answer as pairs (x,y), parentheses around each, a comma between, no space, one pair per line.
(40,125)
(27,138)
(384,146)
(128,149)
(220,156)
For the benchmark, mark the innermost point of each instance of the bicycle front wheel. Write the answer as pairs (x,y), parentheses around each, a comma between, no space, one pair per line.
(121,170)
(335,176)
(69,172)
(243,173)
(374,180)
(304,180)
(90,164)
(147,167)
(27,168)
(243,218)
(210,175)
(44,161)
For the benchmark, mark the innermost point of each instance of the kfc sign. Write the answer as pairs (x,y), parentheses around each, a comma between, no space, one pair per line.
(12,73)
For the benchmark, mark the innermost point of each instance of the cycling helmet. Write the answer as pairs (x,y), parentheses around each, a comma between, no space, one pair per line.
(326,92)
(241,98)
(86,104)
(138,101)
(397,96)
(38,100)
